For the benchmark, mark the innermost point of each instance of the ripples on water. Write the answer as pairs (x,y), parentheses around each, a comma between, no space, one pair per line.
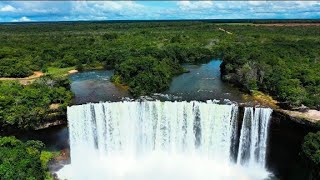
(201,83)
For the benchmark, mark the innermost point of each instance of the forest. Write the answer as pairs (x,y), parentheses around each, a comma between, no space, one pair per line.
(28,106)
(281,61)
(278,60)
(311,152)
(23,160)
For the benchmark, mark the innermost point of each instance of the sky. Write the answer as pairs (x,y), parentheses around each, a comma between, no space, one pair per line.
(22,11)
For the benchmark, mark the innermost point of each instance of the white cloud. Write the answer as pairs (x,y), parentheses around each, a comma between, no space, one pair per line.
(194,5)
(308,3)
(22,19)
(40,6)
(105,8)
(8,8)
(130,10)
(257,3)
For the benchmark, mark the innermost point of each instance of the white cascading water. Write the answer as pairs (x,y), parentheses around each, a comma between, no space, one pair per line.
(253,137)
(153,140)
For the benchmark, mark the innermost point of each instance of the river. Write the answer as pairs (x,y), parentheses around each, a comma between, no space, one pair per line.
(201,83)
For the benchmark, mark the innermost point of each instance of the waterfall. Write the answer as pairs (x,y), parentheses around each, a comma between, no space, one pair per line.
(253,137)
(143,140)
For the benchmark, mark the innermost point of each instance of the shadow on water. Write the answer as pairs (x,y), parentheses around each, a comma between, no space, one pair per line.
(55,138)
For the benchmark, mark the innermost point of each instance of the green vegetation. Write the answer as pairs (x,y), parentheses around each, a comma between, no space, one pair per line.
(56,72)
(28,106)
(281,61)
(146,74)
(20,160)
(311,152)
(49,47)
(45,157)
(311,147)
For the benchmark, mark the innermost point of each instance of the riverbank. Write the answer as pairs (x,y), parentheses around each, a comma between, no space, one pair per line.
(25,80)
(52,71)
(309,117)
(37,74)
(89,80)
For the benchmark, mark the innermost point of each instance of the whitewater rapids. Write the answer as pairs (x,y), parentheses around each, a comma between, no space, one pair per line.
(153,140)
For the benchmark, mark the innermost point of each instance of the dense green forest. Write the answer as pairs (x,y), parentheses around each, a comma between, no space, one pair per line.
(23,160)
(282,61)
(28,106)
(311,152)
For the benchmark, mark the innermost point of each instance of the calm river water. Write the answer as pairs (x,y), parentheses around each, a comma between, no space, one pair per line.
(202,82)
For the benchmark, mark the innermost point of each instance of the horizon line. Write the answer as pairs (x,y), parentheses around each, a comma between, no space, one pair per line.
(168,20)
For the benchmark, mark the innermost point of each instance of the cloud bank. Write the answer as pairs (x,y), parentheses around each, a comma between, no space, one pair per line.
(13,11)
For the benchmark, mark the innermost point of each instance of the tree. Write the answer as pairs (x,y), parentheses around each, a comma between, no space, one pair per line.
(110,36)
(146,75)
(291,90)
(27,106)
(20,160)
(79,67)
(311,151)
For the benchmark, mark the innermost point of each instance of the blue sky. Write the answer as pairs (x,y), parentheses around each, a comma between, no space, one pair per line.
(19,11)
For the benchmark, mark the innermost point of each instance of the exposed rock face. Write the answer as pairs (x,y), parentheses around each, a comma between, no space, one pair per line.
(54,106)
(64,155)
(58,162)
(302,108)
(51,124)
(295,116)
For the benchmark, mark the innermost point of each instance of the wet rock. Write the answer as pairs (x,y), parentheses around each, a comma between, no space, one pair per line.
(58,162)
(302,108)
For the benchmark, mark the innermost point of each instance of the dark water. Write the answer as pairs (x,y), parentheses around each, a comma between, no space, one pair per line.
(201,83)
(55,138)
(95,86)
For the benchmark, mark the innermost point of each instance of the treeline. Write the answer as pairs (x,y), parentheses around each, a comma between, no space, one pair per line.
(23,160)
(114,46)
(146,74)
(282,61)
(283,65)
(28,106)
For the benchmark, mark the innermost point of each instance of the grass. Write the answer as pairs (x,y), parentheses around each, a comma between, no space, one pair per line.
(54,71)
(262,99)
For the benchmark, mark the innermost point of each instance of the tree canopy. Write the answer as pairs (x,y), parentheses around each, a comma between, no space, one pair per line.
(27,106)
(20,160)
(282,61)
(311,151)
